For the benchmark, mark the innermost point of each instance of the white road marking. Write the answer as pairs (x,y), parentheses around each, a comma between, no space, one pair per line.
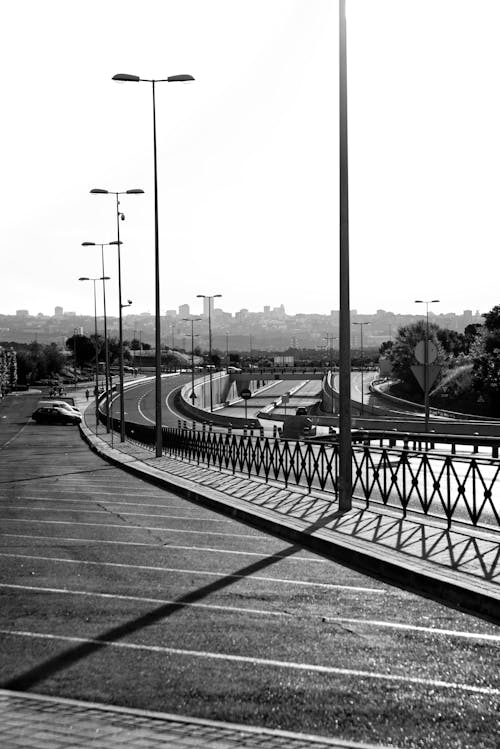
(264,662)
(329,586)
(80,501)
(95,490)
(414,628)
(143,599)
(167,546)
(126,526)
(99,511)
(139,406)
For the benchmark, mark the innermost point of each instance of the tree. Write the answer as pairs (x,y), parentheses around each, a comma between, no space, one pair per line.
(385,348)
(82,347)
(486,361)
(402,353)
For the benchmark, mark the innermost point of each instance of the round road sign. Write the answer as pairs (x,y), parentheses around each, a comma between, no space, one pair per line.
(432,352)
(246,394)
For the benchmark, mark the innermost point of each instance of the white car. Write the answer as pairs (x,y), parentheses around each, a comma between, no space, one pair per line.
(60,404)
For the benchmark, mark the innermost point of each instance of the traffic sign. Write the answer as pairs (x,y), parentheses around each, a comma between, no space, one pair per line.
(419,374)
(419,352)
(246,394)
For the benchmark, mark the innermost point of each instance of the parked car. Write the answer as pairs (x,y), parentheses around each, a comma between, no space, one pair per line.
(55,415)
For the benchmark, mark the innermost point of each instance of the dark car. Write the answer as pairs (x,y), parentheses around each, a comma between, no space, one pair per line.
(55,415)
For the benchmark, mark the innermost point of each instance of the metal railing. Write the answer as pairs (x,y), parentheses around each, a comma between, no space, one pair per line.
(456,488)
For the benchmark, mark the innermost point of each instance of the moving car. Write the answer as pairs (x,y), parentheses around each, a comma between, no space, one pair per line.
(55,415)
(60,404)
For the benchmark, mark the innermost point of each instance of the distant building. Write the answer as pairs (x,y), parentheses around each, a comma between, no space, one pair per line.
(184,310)
(22,313)
(58,311)
(208,303)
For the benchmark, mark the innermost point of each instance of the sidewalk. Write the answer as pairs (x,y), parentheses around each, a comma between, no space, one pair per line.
(31,721)
(459,566)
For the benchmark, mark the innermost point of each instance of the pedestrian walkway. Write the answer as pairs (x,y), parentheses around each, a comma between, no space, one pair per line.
(460,566)
(31,721)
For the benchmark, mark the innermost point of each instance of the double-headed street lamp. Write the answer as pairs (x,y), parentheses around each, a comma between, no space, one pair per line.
(96,389)
(102,245)
(192,321)
(361,325)
(210,301)
(426,358)
(119,215)
(125,77)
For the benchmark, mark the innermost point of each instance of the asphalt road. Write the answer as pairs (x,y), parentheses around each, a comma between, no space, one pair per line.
(140,401)
(116,591)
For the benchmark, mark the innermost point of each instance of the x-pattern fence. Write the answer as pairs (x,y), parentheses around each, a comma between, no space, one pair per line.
(450,486)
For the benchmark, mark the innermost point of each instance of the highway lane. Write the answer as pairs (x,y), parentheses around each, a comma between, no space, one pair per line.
(114,590)
(140,400)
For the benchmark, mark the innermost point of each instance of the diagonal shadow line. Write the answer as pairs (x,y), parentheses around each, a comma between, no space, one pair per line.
(71,656)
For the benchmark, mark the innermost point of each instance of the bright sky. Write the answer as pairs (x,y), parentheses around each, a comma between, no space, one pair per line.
(248,154)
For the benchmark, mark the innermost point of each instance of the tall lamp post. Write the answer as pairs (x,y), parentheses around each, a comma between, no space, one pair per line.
(125,77)
(361,325)
(102,245)
(426,357)
(345,421)
(96,388)
(119,215)
(192,321)
(210,300)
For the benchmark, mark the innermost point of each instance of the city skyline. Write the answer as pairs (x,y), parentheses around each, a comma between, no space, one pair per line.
(248,154)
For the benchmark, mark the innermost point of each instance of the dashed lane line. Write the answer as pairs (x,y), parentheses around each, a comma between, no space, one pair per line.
(144,599)
(262,662)
(329,586)
(168,546)
(126,526)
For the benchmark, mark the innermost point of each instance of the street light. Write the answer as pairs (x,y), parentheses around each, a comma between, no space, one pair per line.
(125,77)
(210,299)
(192,321)
(102,245)
(362,324)
(345,437)
(96,389)
(426,358)
(119,215)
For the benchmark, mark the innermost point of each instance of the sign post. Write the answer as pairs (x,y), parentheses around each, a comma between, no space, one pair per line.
(246,394)
(426,371)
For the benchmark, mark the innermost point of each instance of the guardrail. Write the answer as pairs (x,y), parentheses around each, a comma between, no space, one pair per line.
(453,487)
